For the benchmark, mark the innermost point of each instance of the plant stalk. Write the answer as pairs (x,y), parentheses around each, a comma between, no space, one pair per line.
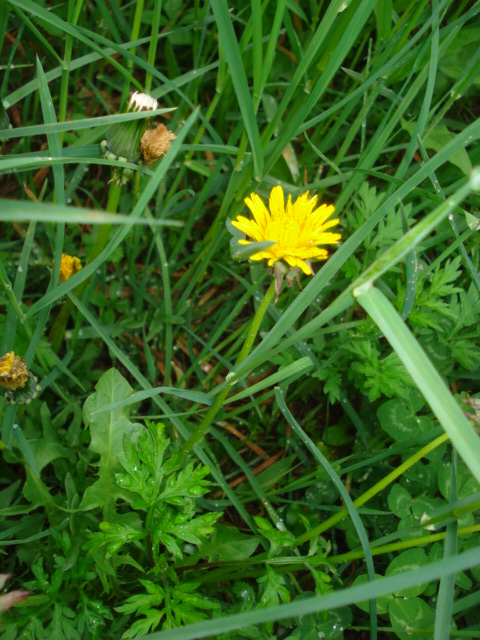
(210,416)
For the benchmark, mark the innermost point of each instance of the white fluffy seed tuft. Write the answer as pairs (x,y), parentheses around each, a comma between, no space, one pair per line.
(142,102)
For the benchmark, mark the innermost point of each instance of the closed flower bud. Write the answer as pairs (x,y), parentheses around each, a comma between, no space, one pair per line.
(69,265)
(122,141)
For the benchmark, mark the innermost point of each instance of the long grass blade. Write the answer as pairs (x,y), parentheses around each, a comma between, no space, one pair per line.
(424,374)
(429,573)
(239,79)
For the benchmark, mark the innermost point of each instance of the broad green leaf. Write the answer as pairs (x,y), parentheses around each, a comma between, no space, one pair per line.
(228,544)
(466,485)
(408,561)
(45,450)
(398,417)
(107,431)
(399,501)
(438,139)
(382,602)
(409,614)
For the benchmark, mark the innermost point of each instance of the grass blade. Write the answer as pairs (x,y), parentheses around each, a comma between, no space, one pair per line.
(239,79)
(424,374)
(429,573)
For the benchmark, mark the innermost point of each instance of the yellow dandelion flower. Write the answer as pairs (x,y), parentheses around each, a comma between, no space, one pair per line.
(298,228)
(13,371)
(69,265)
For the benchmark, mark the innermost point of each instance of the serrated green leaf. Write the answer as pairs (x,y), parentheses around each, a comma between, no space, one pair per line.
(274,589)
(228,544)
(107,433)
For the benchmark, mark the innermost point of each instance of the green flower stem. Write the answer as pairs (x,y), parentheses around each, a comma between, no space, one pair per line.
(137,22)
(211,414)
(423,373)
(104,231)
(189,155)
(59,326)
(401,545)
(257,320)
(74,10)
(373,491)
(287,565)
(152,50)
(7,287)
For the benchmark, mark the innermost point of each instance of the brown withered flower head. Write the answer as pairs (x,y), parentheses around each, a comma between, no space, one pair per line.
(155,143)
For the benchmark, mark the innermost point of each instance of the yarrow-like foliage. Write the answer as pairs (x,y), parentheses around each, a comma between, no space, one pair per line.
(297,228)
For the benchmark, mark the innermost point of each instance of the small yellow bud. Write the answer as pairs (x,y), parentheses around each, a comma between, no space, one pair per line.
(69,265)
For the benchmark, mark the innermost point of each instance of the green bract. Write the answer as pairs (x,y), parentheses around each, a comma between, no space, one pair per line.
(122,141)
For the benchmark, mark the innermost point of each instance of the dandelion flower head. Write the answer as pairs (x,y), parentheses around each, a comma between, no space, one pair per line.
(13,371)
(69,265)
(297,228)
(20,383)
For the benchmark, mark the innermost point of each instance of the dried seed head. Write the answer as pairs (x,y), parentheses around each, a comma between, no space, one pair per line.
(155,143)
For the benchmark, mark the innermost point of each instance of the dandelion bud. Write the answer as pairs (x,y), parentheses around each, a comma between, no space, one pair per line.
(155,143)
(69,265)
(20,383)
(122,141)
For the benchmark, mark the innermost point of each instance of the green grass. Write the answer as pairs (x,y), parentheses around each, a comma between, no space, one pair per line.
(318,472)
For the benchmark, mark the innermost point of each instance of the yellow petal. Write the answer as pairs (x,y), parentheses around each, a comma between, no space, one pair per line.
(258,209)
(277,203)
(249,227)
